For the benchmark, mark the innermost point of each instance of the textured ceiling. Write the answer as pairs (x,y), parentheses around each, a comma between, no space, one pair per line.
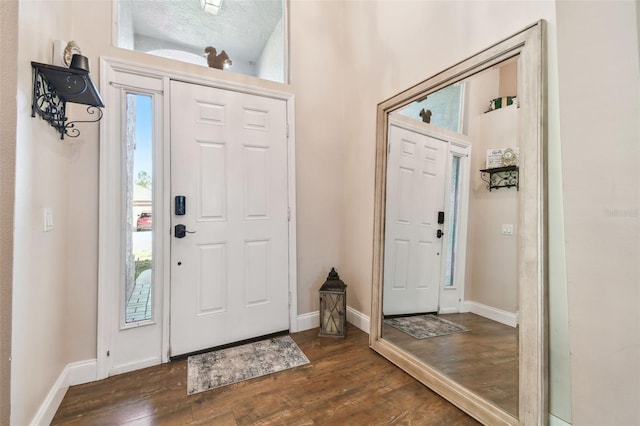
(241,27)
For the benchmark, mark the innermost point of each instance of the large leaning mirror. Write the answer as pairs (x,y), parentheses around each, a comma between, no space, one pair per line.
(460,270)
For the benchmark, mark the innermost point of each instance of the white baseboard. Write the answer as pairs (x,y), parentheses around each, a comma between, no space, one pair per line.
(137,365)
(308,321)
(494,314)
(312,320)
(52,401)
(83,372)
(358,319)
(555,421)
(72,374)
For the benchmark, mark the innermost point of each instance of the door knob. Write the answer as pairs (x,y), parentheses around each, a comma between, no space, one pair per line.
(180,231)
(439,233)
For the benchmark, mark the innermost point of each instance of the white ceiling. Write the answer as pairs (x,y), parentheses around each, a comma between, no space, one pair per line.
(241,27)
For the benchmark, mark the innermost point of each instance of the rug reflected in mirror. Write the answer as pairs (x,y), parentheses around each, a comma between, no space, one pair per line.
(424,326)
(232,365)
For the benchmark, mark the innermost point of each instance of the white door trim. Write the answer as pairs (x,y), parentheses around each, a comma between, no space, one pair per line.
(107,246)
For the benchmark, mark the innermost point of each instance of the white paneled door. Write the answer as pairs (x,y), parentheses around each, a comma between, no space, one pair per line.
(229,272)
(413,237)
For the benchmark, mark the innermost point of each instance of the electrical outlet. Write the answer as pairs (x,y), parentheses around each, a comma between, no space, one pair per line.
(507,229)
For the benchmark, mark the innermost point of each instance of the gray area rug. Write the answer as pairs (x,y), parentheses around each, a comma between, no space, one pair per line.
(423,326)
(220,368)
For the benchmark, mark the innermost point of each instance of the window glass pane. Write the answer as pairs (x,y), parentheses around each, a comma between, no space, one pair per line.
(138,208)
(442,108)
(454,197)
(250,33)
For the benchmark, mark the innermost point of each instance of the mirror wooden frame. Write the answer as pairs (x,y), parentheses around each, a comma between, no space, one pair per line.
(529,45)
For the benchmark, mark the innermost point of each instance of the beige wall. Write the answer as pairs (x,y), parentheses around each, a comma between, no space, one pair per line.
(492,264)
(599,108)
(317,78)
(8,76)
(40,333)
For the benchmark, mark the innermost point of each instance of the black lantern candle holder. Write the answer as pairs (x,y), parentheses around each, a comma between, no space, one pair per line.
(333,306)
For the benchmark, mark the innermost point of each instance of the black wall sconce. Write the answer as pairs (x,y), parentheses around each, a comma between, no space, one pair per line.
(54,86)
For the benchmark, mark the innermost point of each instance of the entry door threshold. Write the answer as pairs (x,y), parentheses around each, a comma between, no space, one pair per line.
(229,345)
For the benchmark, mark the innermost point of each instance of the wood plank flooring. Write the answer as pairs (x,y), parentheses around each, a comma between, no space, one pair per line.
(485,359)
(346,383)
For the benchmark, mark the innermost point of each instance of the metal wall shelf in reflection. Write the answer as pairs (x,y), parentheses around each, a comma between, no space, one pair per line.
(501,177)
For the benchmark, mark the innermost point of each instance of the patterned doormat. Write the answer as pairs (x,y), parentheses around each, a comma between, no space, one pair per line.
(232,365)
(423,326)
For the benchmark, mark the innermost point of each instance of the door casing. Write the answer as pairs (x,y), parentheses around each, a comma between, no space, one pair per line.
(108,307)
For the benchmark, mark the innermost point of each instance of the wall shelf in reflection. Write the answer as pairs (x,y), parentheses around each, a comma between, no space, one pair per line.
(501,177)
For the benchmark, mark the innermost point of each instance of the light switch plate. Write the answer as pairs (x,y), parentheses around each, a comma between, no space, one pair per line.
(48,219)
(507,229)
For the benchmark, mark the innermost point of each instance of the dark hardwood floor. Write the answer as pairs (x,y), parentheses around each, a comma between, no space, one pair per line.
(346,383)
(485,359)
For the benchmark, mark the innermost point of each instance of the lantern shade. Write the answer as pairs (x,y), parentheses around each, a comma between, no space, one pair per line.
(333,306)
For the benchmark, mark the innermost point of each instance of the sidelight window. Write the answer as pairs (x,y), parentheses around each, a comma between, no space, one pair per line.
(454,207)
(138,207)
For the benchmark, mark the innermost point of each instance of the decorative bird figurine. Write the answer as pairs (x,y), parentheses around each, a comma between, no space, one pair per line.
(216,60)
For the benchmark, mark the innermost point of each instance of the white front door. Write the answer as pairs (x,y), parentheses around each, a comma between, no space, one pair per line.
(416,167)
(230,272)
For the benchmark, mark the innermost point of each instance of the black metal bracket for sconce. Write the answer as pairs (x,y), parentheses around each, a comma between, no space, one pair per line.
(53,87)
